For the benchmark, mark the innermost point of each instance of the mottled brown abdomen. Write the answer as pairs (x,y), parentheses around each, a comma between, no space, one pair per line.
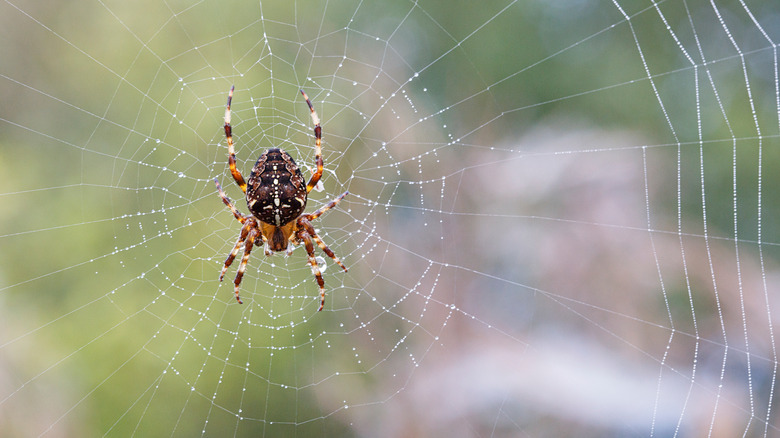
(276,192)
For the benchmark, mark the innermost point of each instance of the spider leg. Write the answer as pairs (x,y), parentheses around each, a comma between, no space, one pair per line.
(231,149)
(234,253)
(318,212)
(307,226)
(315,269)
(239,217)
(304,222)
(315,178)
(250,239)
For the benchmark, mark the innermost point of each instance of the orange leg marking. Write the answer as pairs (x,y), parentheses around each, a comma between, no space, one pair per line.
(315,178)
(231,149)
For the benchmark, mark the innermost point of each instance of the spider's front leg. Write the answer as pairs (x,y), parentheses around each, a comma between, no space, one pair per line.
(315,269)
(234,253)
(247,236)
(250,240)
(309,228)
(306,233)
(304,222)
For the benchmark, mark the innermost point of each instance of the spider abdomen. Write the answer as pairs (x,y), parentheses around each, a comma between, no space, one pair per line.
(276,192)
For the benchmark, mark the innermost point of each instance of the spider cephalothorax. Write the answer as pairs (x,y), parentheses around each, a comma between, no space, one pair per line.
(276,195)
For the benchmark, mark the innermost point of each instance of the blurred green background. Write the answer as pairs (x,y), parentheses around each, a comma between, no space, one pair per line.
(560,220)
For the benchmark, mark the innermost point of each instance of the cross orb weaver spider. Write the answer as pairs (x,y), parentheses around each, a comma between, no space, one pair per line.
(276,196)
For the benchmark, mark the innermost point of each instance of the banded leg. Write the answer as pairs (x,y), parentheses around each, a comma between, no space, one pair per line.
(318,212)
(306,225)
(234,253)
(250,239)
(239,217)
(315,178)
(315,269)
(231,149)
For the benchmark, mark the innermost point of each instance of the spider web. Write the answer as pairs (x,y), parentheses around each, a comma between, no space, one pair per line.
(561,219)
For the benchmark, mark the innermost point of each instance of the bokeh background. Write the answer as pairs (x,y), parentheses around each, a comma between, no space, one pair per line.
(561,220)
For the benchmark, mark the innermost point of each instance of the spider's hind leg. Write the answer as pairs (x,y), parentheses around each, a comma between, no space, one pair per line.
(315,178)
(231,148)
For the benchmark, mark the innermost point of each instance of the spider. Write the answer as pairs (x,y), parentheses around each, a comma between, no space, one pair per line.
(276,196)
